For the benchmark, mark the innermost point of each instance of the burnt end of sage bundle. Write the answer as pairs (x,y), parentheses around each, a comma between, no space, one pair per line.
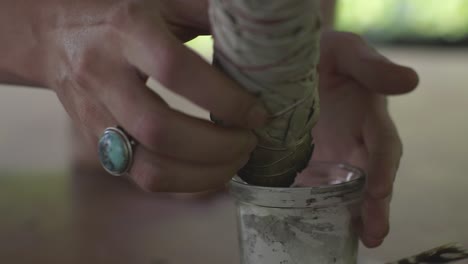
(280,166)
(271,48)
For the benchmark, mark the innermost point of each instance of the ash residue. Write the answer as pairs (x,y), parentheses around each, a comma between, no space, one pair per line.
(270,228)
(299,238)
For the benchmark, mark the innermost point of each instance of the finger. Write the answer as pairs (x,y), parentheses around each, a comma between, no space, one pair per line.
(89,121)
(191,14)
(87,114)
(384,152)
(160,55)
(370,68)
(375,226)
(155,173)
(145,116)
(149,171)
(141,112)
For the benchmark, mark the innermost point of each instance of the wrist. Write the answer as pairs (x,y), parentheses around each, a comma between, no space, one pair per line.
(21,45)
(19,77)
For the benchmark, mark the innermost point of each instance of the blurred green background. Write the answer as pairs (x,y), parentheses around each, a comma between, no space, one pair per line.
(410,21)
(419,22)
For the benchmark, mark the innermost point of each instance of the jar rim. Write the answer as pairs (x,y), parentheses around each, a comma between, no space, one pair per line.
(344,166)
(312,196)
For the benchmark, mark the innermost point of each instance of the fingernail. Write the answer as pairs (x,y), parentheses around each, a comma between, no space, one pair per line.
(257,117)
(216,120)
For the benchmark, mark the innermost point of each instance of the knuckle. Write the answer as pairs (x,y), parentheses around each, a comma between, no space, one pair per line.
(81,70)
(220,180)
(169,64)
(391,145)
(352,38)
(214,178)
(380,192)
(87,114)
(137,20)
(150,178)
(156,183)
(385,149)
(126,15)
(152,130)
(244,108)
(241,146)
(239,110)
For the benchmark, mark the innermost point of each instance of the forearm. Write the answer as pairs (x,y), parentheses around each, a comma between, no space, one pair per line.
(21,45)
(328,13)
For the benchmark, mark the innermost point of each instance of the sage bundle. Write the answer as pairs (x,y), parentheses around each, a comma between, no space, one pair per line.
(271,48)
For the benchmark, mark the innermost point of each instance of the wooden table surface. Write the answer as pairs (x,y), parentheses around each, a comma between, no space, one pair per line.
(49,214)
(91,218)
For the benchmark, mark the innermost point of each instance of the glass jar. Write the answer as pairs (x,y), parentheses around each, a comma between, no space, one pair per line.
(310,222)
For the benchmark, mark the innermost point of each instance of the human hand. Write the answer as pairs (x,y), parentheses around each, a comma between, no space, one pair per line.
(99,56)
(355,125)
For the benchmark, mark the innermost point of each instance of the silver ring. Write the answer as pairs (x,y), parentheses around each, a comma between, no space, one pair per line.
(115,149)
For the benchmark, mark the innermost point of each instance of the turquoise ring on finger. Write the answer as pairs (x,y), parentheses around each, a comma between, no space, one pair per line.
(115,149)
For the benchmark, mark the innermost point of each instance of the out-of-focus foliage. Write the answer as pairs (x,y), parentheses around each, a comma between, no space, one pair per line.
(203,45)
(387,19)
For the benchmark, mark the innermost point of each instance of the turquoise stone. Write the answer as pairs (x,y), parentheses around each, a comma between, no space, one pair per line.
(114,152)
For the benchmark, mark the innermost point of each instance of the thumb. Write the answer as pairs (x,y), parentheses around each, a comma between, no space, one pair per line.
(371,69)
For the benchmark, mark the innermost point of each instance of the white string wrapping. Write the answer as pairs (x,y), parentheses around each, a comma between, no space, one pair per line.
(271,47)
